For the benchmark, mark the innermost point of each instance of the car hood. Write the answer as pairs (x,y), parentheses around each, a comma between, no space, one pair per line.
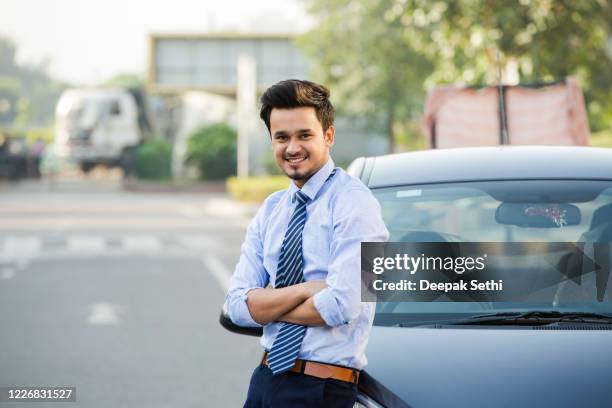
(470,367)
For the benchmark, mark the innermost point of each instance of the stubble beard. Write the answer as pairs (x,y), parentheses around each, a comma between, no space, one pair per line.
(298,175)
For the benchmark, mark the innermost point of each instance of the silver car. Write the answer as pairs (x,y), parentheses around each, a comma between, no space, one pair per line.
(553,350)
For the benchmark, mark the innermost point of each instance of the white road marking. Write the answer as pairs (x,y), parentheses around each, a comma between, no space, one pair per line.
(103,314)
(141,243)
(22,250)
(218,270)
(17,246)
(19,250)
(86,243)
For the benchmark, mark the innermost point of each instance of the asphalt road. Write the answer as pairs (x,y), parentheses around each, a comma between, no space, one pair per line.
(118,294)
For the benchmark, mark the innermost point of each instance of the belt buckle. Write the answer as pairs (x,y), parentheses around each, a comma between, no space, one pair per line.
(355,376)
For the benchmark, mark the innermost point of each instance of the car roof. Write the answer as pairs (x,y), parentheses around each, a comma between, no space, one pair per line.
(487,163)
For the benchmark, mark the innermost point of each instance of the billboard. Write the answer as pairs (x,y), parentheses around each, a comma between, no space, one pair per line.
(208,62)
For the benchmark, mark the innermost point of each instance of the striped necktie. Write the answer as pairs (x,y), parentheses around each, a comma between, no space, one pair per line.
(287,344)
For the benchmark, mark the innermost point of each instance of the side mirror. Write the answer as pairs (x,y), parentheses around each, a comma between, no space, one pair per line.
(227,323)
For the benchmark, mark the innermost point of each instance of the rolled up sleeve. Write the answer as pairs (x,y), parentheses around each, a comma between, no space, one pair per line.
(356,218)
(249,274)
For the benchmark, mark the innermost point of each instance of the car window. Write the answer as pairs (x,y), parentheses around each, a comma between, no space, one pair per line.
(468,212)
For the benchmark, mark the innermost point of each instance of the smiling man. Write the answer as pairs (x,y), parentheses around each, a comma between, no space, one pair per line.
(299,271)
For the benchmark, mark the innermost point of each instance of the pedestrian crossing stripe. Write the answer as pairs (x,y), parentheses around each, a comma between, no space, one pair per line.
(26,246)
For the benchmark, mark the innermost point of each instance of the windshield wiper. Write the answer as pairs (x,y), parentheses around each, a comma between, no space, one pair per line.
(535,317)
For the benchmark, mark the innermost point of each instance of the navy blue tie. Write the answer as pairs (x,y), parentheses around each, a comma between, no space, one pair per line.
(287,344)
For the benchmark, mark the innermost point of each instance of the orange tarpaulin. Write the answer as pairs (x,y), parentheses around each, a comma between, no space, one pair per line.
(550,115)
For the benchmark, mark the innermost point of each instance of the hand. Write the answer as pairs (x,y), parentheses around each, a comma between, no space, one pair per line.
(313,287)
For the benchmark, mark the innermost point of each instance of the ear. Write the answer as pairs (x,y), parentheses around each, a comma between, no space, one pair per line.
(329,136)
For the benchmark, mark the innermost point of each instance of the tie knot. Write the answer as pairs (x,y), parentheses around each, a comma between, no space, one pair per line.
(301,197)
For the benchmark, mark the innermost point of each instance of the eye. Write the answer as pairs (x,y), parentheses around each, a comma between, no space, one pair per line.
(305,136)
(280,138)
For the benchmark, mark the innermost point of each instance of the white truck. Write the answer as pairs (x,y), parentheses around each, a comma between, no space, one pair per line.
(99,126)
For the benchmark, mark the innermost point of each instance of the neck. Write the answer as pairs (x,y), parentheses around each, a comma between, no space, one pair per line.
(300,183)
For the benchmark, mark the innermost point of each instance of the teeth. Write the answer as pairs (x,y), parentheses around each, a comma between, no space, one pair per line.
(296,159)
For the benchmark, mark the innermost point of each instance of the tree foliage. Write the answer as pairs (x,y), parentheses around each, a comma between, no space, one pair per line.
(126,80)
(27,92)
(380,56)
(212,149)
(153,160)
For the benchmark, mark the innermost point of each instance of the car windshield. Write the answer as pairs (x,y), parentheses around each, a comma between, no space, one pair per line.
(483,212)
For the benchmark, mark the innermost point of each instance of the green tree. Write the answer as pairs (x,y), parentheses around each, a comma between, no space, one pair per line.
(547,40)
(126,80)
(153,160)
(9,93)
(212,149)
(375,73)
(380,56)
(36,92)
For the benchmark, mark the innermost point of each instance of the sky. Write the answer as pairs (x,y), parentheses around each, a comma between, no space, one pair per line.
(84,41)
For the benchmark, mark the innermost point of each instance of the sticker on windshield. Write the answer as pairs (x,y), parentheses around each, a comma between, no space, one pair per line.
(408,193)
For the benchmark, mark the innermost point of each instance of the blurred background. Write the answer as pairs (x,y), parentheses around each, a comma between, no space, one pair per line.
(132,156)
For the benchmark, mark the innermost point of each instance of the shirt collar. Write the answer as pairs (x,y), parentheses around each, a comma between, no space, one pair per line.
(314,183)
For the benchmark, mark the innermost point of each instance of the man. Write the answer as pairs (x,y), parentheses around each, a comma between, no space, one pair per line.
(299,271)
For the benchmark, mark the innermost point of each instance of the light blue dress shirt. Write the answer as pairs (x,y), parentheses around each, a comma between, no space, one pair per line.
(341,214)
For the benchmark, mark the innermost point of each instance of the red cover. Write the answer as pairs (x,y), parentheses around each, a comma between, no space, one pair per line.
(551,115)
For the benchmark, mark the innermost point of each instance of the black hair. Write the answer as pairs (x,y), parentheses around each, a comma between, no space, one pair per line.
(295,93)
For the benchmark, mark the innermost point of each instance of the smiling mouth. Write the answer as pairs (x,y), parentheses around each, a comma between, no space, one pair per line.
(295,160)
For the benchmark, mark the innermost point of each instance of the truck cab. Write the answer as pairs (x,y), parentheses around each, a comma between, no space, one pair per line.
(96,126)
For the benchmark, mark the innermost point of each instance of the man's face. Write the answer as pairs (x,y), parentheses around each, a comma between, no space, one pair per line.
(299,144)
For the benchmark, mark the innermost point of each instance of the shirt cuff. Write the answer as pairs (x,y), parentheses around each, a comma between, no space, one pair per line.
(239,311)
(327,306)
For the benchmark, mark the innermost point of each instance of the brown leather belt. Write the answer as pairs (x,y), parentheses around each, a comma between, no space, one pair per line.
(321,370)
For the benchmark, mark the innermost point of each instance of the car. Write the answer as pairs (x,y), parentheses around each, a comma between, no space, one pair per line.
(14,158)
(553,350)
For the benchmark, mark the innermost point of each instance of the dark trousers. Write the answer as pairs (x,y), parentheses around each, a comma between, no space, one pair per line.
(297,391)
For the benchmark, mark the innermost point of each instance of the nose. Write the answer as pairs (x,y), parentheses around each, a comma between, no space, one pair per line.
(293,147)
